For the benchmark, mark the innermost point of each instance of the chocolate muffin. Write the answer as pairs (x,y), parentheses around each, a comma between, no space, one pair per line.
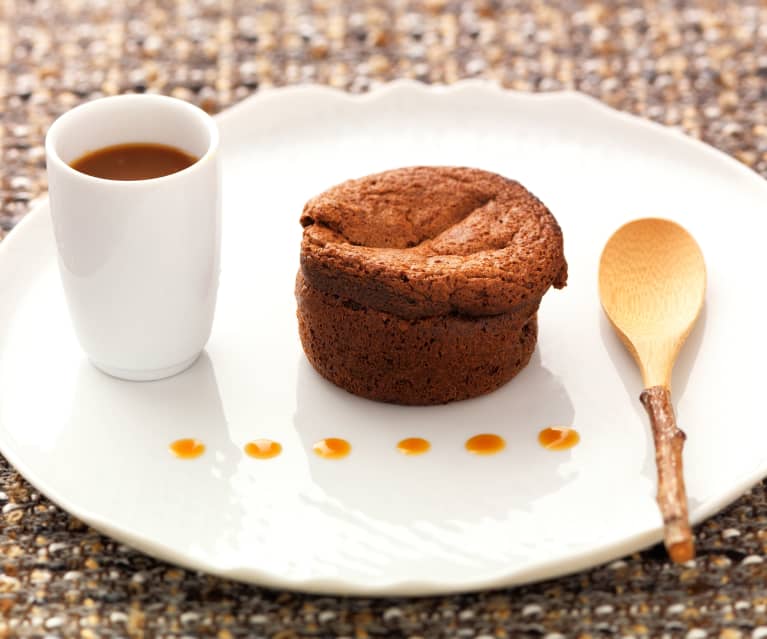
(421,285)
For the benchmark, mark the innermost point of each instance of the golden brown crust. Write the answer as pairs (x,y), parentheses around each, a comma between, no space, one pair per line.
(429,241)
(433,360)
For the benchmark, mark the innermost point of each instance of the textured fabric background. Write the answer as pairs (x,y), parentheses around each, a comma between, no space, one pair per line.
(700,66)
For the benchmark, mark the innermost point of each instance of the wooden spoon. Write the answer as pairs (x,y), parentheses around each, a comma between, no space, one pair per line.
(652,281)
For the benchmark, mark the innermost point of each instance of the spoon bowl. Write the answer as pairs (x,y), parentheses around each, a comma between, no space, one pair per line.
(652,283)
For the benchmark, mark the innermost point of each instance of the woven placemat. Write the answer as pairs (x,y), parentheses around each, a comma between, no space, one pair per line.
(700,66)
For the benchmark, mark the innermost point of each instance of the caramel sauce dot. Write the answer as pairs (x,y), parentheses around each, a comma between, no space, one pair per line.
(187,448)
(263,449)
(485,444)
(558,438)
(332,448)
(413,446)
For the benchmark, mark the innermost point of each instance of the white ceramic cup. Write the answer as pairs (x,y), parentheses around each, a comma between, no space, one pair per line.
(139,260)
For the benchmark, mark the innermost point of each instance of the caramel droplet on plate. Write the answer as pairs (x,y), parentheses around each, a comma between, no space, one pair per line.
(413,446)
(187,448)
(485,444)
(558,438)
(263,449)
(332,448)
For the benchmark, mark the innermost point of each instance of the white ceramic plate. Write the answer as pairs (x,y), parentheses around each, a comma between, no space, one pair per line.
(378,522)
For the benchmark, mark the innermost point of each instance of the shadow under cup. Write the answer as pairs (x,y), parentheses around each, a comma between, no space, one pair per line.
(139,260)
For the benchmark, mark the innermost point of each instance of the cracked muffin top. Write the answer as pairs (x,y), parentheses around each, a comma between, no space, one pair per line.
(425,241)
